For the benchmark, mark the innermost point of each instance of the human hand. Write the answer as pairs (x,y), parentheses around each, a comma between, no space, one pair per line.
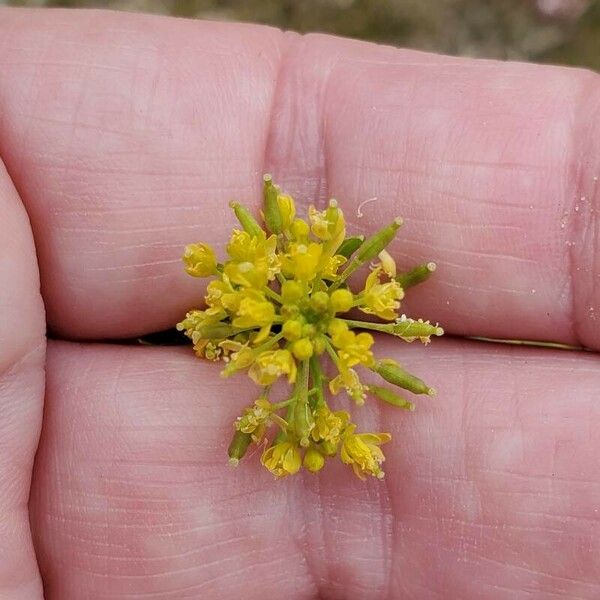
(125,137)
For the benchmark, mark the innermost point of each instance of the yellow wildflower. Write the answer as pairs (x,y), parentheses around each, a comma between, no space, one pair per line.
(329,270)
(270,365)
(328,225)
(353,348)
(272,310)
(381,299)
(329,425)
(362,452)
(302,261)
(221,297)
(388,264)
(199,260)
(255,419)
(254,261)
(254,310)
(348,379)
(282,459)
(300,230)
(287,210)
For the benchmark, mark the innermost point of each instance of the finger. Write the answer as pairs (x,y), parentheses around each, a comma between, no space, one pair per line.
(487,494)
(135,146)
(22,349)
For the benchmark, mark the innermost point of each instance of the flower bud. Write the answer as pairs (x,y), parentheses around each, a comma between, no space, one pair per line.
(319,301)
(199,260)
(341,300)
(291,291)
(388,263)
(313,460)
(302,349)
(287,210)
(390,397)
(299,229)
(292,330)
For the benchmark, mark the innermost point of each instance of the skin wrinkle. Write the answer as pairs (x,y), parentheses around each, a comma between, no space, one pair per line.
(326,61)
(585,254)
(431,479)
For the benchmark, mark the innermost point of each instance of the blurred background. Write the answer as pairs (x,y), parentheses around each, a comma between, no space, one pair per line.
(554,31)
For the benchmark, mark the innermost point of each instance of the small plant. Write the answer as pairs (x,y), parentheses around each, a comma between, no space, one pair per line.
(277,308)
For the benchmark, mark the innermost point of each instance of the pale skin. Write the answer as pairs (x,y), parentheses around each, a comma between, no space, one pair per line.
(122,139)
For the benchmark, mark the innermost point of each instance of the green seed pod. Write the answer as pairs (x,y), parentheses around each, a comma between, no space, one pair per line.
(238,447)
(392,372)
(350,245)
(377,242)
(410,329)
(247,221)
(390,397)
(272,214)
(415,276)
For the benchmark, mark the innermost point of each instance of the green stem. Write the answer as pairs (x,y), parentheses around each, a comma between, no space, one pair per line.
(268,343)
(273,295)
(381,327)
(332,353)
(317,379)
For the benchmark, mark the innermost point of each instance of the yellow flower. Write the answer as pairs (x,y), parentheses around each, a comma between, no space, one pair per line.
(194,322)
(287,210)
(254,261)
(282,459)
(254,310)
(381,299)
(329,270)
(299,230)
(208,349)
(302,261)
(272,364)
(221,297)
(353,349)
(255,419)
(362,452)
(241,356)
(388,264)
(349,380)
(199,260)
(274,310)
(328,225)
(329,425)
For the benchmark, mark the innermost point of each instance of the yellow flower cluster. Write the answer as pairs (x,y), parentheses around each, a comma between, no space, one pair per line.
(277,308)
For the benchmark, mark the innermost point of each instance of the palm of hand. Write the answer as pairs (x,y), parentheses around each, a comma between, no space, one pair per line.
(122,134)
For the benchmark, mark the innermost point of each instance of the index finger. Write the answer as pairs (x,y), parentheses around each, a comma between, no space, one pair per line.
(127,135)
